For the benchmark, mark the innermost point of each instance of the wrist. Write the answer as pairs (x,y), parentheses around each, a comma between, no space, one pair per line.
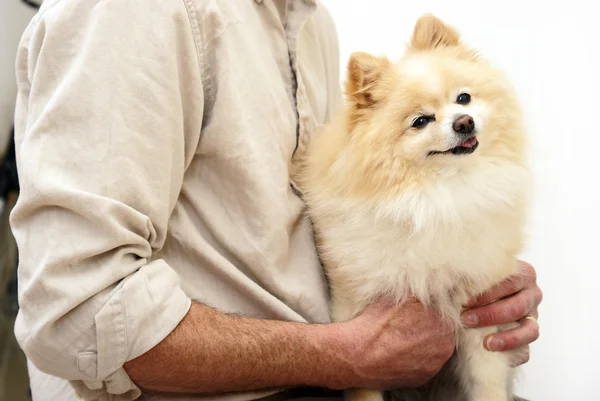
(336,351)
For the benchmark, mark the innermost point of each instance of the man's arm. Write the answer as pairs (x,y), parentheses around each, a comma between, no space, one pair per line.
(212,352)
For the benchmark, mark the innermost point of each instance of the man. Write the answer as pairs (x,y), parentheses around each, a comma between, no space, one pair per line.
(163,250)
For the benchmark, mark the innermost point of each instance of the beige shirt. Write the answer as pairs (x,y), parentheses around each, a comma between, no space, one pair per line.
(153,146)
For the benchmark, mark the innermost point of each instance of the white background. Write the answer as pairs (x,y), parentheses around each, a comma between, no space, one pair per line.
(14,17)
(551,53)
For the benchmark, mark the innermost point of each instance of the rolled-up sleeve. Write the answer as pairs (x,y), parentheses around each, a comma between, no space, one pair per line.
(109,113)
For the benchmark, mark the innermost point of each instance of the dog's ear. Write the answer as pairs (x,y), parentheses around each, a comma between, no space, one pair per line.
(363,83)
(431,32)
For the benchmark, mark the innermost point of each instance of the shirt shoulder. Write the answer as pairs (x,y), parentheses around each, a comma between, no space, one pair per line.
(326,25)
(205,17)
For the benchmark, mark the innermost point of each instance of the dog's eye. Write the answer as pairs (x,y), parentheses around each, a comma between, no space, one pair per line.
(463,98)
(422,121)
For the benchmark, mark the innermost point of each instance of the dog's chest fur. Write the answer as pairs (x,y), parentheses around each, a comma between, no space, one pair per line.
(443,244)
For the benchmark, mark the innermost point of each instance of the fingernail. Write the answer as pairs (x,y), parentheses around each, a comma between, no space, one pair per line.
(471,320)
(495,344)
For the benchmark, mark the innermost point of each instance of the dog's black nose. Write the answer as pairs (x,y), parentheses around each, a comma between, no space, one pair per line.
(464,125)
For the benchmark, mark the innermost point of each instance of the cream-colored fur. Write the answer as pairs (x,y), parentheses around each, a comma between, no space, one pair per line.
(392,219)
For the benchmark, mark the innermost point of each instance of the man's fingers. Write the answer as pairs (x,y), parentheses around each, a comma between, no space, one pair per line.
(512,285)
(508,287)
(504,311)
(528,332)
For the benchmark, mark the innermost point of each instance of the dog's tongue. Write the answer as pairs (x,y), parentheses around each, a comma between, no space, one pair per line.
(469,143)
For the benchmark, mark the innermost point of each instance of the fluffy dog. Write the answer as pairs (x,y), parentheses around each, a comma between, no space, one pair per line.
(419,188)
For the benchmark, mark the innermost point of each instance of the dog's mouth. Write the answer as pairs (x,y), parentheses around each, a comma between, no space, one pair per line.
(466,147)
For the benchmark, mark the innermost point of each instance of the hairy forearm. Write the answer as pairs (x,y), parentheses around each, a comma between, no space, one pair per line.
(213,352)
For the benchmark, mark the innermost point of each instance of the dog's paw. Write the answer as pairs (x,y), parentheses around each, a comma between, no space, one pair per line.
(363,395)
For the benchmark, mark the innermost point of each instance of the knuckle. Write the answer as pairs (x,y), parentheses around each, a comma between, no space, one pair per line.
(517,282)
(488,317)
(522,307)
(535,333)
(515,312)
(505,315)
(510,341)
(539,295)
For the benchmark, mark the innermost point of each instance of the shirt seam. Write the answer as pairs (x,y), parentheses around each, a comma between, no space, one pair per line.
(194,25)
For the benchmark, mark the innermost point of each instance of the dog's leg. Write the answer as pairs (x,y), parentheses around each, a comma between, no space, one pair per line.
(342,310)
(485,375)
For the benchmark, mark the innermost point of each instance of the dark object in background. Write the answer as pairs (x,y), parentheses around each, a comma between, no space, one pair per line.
(14,379)
(9,180)
(33,3)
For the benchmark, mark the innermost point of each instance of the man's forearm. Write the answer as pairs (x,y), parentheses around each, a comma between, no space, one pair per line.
(212,352)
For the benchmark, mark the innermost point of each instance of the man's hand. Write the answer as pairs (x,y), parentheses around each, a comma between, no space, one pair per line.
(393,346)
(515,300)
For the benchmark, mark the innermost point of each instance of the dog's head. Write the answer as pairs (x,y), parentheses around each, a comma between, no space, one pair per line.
(440,110)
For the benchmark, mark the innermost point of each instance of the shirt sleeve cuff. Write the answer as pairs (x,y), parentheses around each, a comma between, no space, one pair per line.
(144,309)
